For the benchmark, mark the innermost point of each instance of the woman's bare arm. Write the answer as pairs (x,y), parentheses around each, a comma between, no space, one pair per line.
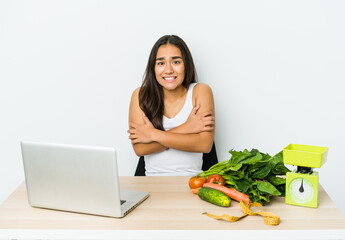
(195,135)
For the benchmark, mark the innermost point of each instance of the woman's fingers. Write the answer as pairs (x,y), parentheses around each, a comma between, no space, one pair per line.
(209,123)
(208,127)
(132,125)
(141,133)
(131,132)
(147,120)
(132,135)
(207,113)
(210,120)
(195,109)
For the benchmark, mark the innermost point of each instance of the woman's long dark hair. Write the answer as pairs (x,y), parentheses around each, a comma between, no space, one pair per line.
(151,96)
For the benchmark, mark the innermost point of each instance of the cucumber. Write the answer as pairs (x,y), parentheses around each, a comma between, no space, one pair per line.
(214,196)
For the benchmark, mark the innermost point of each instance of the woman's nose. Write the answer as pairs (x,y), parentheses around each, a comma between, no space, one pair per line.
(169,69)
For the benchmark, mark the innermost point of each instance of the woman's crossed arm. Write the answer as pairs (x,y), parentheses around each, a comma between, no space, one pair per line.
(195,135)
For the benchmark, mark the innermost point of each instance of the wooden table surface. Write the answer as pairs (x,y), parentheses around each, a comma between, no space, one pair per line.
(171,206)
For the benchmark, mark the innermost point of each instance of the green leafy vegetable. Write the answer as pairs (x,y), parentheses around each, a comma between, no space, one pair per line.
(262,172)
(268,188)
(253,173)
(276,180)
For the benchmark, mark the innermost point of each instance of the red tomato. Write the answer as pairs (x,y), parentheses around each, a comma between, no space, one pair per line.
(196,182)
(216,179)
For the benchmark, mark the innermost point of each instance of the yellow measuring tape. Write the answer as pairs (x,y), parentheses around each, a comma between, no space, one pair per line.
(269,218)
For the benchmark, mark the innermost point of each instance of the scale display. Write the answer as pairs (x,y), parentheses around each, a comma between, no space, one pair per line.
(301,190)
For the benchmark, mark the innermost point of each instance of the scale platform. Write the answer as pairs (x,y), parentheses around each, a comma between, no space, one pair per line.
(305,155)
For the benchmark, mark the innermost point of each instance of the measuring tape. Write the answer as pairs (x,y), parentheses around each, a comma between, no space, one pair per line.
(269,218)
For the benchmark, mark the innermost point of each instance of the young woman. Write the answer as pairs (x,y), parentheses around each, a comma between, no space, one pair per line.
(171,117)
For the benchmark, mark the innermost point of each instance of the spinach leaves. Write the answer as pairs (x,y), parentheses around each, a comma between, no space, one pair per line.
(253,173)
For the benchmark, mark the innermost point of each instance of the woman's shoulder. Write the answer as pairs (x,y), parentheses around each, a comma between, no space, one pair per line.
(135,96)
(202,88)
(202,94)
(135,93)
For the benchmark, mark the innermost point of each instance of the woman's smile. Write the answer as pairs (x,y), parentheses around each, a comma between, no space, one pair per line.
(169,79)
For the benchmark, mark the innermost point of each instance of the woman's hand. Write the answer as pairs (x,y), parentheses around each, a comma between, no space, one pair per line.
(200,122)
(141,133)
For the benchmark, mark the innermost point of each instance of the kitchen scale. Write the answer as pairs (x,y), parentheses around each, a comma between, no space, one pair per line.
(302,185)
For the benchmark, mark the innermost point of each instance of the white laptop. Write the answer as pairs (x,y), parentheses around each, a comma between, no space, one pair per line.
(74,178)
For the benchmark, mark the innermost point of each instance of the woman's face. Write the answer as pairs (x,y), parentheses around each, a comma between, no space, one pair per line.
(169,67)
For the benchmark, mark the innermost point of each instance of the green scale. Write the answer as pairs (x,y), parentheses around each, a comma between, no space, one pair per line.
(302,185)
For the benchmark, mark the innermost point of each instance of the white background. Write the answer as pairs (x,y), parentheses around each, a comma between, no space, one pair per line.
(68,68)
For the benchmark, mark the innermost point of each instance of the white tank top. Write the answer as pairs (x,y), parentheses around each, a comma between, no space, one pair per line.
(172,162)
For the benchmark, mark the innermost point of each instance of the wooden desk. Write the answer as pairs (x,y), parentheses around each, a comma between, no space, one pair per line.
(172,210)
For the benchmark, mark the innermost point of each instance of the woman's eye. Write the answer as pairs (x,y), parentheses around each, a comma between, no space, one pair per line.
(160,63)
(176,62)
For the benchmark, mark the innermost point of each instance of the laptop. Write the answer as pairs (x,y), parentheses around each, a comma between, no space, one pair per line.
(82,179)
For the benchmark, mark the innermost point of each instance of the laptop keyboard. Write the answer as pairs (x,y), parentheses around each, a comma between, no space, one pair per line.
(122,201)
